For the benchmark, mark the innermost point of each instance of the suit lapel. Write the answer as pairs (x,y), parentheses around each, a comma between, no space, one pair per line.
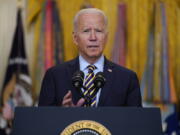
(108,72)
(73,66)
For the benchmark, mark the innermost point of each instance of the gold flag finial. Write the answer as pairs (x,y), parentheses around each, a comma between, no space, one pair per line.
(19,3)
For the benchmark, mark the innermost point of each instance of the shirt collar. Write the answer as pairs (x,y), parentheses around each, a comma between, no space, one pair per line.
(99,63)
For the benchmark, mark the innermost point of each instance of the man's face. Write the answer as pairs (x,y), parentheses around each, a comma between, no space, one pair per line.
(90,35)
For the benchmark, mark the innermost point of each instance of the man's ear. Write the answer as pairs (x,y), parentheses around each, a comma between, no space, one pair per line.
(74,34)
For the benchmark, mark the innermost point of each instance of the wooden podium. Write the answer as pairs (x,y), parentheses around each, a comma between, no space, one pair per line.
(87,121)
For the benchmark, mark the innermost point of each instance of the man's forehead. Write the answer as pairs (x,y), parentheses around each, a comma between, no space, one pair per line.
(94,14)
(91,18)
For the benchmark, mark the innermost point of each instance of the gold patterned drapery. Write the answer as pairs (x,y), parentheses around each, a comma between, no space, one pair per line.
(139,13)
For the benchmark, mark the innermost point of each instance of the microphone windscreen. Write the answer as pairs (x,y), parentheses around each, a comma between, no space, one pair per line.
(77,79)
(99,80)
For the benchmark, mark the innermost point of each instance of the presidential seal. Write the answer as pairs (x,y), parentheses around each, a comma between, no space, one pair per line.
(85,127)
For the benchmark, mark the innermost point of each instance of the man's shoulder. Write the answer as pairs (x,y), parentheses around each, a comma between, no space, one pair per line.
(63,66)
(120,69)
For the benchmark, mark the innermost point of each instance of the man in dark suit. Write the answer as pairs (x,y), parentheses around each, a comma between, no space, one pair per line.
(90,35)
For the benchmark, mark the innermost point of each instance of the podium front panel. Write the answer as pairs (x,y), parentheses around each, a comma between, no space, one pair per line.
(118,120)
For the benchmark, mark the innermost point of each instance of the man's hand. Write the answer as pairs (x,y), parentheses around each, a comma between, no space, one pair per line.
(7,112)
(67,101)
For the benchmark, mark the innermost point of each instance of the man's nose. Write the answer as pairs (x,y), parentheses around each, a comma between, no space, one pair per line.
(93,36)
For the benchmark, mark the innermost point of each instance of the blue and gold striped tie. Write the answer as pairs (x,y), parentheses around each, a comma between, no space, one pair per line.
(89,84)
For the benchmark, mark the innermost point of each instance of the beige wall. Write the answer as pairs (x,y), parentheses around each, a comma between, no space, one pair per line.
(8,10)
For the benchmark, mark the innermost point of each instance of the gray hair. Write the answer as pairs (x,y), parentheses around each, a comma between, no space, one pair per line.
(88,10)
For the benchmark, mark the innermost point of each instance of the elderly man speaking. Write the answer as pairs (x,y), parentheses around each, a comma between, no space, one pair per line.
(90,79)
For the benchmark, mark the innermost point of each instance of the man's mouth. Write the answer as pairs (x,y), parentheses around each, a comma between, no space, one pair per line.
(93,46)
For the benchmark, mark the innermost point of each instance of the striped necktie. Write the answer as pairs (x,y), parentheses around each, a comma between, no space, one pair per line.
(89,84)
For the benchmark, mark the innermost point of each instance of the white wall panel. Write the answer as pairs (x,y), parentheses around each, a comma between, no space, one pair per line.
(8,12)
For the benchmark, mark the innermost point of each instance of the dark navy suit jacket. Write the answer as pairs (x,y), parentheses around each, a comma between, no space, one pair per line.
(121,87)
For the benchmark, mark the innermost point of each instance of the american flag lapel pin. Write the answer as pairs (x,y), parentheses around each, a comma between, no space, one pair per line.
(110,70)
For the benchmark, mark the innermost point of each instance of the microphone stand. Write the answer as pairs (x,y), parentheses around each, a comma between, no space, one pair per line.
(87,97)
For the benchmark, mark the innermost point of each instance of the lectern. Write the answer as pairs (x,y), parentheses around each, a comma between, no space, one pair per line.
(87,121)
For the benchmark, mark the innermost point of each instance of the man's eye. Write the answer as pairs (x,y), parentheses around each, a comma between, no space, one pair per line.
(99,30)
(86,31)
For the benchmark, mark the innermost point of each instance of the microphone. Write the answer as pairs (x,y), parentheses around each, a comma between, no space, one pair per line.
(77,79)
(99,82)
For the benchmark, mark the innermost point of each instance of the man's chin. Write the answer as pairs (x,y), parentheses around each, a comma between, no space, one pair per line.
(95,56)
(92,57)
